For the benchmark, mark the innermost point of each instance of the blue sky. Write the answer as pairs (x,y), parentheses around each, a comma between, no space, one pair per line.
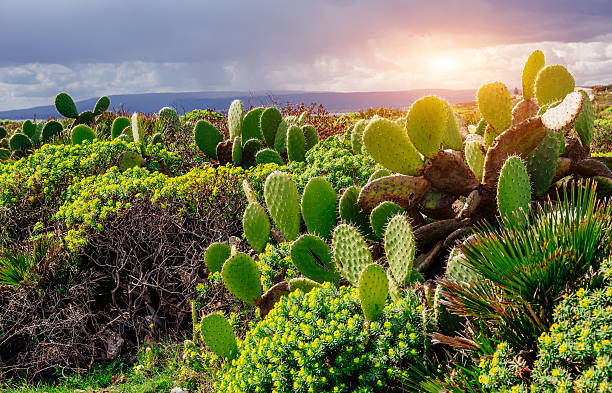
(90,48)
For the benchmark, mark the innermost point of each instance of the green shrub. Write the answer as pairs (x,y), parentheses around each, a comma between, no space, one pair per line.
(320,342)
(275,265)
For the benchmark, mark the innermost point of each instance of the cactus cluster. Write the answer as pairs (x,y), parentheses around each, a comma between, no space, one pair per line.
(66,107)
(261,136)
(30,136)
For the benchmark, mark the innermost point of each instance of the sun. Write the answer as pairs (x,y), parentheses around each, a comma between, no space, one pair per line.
(444,63)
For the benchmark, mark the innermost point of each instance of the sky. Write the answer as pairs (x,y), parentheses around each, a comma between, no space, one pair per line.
(103,47)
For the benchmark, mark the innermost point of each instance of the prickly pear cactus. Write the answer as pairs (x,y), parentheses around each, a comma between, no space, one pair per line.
(319,203)
(357,136)
(475,156)
(256,226)
(296,144)
(65,106)
(101,105)
(29,128)
(496,107)
(215,256)
(533,65)
(169,118)
(542,162)
(249,152)
(267,156)
(82,133)
(219,336)
(313,258)
(129,159)
(426,125)
(457,270)
(207,137)
(310,135)
(282,199)
(513,190)
(553,83)
(585,122)
(269,122)
(373,291)
(236,151)
(351,213)
(377,174)
(303,284)
(451,138)
(119,124)
(251,127)
(351,252)
(51,129)
(390,146)
(381,215)
(19,142)
(137,131)
(280,139)
(241,276)
(235,117)
(446,322)
(400,248)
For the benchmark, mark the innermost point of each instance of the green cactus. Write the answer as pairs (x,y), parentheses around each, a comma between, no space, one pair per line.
(3,133)
(215,256)
(350,252)
(553,83)
(357,136)
(319,203)
(236,151)
(585,122)
(377,174)
(351,213)
(86,118)
(475,156)
(457,270)
(101,105)
(248,192)
(542,163)
(313,258)
(119,124)
(251,128)
(249,151)
(481,127)
(270,120)
(29,128)
(169,118)
(267,156)
(235,117)
(311,136)
(495,104)
(296,144)
(303,284)
(256,226)
(426,125)
(446,322)
(156,139)
(373,291)
(241,276)
(302,118)
(381,215)
(124,137)
(219,336)
(400,248)
(513,190)
(51,129)
(280,139)
(82,133)
(19,142)
(4,154)
(282,199)
(533,65)
(451,138)
(207,137)
(129,159)
(389,145)
(65,106)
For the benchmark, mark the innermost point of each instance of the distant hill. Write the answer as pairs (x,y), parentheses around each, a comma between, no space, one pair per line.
(220,101)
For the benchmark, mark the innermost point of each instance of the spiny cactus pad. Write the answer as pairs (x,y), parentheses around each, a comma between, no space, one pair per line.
(169,118)
(373,291)
(219,336)
(313,258)
(585,122)
(3,133)
(357,135)
(65,106)
(533,65)
(404,190)
(248,192)
(451,138)
(207,137)
(351,213)
(553,83)
(400,248)
(282,199)
(350,252)
(236,151)
(101,105)
(4,153)
(19,142)
(495,105)
(235,117)
(251,127)
(381,215)
(256,226)
(390,146)
(513,190)
(456,268)
(137,131)
(51,129)
(310,135)
(303,284)
(82,133)
(377,174)
(565,114)
(280,139)
(215,256)
(426,125)
(249,151)
(119,124)
(269,121)
(475,156)
(319,203)
(448,172)
(542,163)
(129,159)
(446,322)
(523,110)
(29,128)
(241,276)
(267,156)
(296,144)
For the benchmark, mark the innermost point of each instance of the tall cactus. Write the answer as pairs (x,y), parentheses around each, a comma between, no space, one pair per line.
(282,199)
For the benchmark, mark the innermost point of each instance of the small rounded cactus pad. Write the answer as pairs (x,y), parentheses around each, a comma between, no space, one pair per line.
(451,138)
(481,127)
(249,152)
(373,291)
(29,128)
(381,215)
(303,284)
(219,336)
(495,105)
(400,248)
(282,199)
(251,127)
(269,121)
(357,135)
(215,256)
(312,257)
(236,151)
(310,135)
(169,118)
(3,132)
(19,142)
(585,122)
(390,146)
(65,106)
(51,129)
(235,117)
(350,212)
(119,124)
(533,65)
(456,268)
(101,105)
(475,156)
(241,276)
(256,226)
(553,83)
(565,113)
(513,190)
(319,203)
(542,162)
(268,156)
(296,144)
(129,159)
(82,133)
(426,124)
(207,137)
(523,110)
(4,153)
(350,252)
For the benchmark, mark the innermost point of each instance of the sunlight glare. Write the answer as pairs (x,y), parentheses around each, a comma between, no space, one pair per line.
(444,64)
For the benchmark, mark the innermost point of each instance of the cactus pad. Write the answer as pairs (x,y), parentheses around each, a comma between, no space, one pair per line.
(373,291)
(553,83)
(451,138)
(448,172)
(4,153)
(207,137)
(350,252)
(129,159)
(481,127)
(236,151)
(523,110)
(475,156)
(513,190)
(533,65)
(251,127)
(390,146)
(357,136)
(235,117)
(400,248)
(312,257)
(137,131)
(219,336)
(377,174)
(248,192)
(82,133)
(282,199)
(426,125)
(565,114)
(19,142)
(495,105)
(169,118)
(310,135)
(296,144)
(267,156)
(101,105)
(280,139)
(446,322)
(585,122)
(303,284)
(269,121)
(404,190)
(381,215)
(29,128)
(542,163)
(51,129)
(249,151)
(119,124)
(215,256)
(319,203)
(65,106)
(350,212)
(241,276)
(256,226)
